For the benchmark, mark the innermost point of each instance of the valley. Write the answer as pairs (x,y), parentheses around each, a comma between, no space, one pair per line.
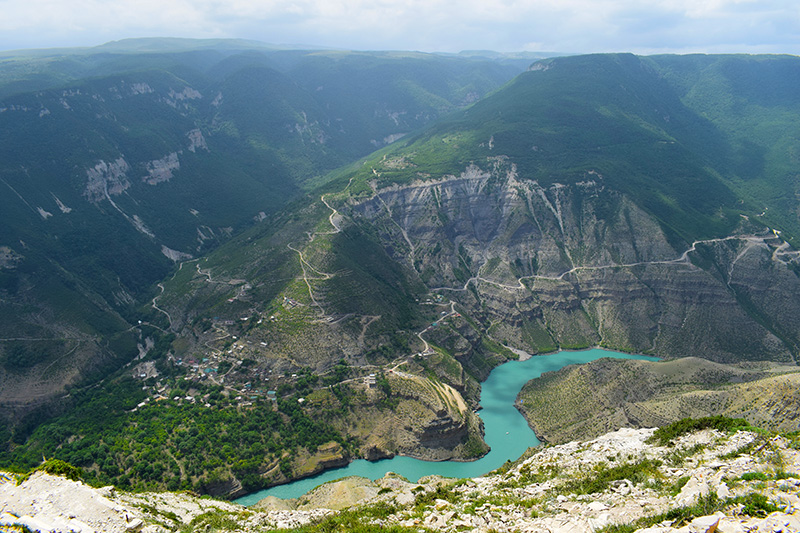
(255,280)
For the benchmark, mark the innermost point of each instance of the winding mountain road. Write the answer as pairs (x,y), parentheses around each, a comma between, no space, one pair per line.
(752,240)
(335,219)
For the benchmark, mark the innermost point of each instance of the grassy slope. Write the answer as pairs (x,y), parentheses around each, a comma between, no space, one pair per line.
(587,401)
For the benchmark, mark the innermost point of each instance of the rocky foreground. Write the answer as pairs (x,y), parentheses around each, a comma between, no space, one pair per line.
(706,481)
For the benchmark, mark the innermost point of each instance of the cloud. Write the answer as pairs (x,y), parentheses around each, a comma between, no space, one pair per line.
(430,25)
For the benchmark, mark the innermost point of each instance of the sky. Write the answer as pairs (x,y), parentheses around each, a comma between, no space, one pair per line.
(567,26)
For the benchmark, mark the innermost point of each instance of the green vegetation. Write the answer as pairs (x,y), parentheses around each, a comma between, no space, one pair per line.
(172,444)
(691,141)
(602,476)
(238,133)
(362,520)
(665,435)
(55,467)
(677,457)
(557,124)
(752,504)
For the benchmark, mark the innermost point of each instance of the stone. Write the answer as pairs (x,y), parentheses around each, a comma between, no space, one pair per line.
(441,504)
(704,524)
(723,492)
(7,519)
(694,488)
(135,525)
(731,525)
(405,498)
(597,506)
(107,491)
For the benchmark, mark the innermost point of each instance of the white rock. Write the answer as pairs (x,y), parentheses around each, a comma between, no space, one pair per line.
(441,504)
(694,488)
(7,519)
(135,525)
(731,525)
(704,524)
(35,524)
(597,506)
(600,522)
(404,498)
(723,492)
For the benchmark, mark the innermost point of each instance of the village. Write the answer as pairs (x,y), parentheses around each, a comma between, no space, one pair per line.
(232,376)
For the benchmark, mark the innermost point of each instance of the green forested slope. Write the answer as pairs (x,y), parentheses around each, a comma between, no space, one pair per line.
(118,161)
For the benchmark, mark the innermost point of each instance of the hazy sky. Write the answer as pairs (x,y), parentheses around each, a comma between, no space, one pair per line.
(577,26)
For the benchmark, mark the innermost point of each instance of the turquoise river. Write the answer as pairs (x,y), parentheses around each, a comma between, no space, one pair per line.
(506,430)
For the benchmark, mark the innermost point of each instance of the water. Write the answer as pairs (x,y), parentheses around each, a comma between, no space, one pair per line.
(507,432)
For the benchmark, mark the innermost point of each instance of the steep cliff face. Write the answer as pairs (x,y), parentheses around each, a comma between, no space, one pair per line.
(579,264)
(430,420)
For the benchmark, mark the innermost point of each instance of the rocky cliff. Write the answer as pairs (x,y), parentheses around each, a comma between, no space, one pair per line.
(579,264)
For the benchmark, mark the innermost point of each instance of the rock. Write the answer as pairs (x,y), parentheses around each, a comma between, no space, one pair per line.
(7,519)
(405,498)
(694,488)
(340,494)
(704,524)
(51,503)
(35,524)
(440,505)
(375,453)
(272,503)
(781,522)
(107,491)
(623,487)
(601,521)
(228,488)
(731,525)
(597,506)
(135,525)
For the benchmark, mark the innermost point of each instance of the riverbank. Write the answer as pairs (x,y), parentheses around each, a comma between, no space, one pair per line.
(506,431)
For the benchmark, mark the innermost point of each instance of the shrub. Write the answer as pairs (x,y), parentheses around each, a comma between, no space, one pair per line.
(58,467)
(664,436)
(600,479)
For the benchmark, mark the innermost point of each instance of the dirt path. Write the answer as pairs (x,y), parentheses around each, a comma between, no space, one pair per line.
(364,325)
(334,219)
(157,308)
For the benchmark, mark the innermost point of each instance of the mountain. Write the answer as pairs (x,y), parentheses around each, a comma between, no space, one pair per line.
(121,160)
(598,200)
(583,204)
(707,480)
